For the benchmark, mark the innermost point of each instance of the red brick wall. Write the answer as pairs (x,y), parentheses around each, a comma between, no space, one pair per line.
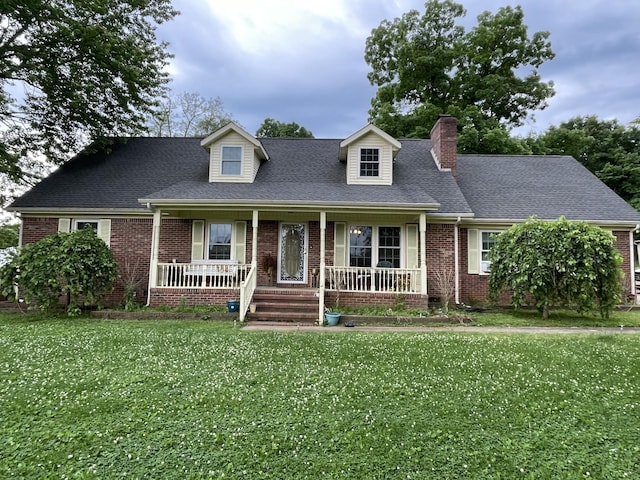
(34,229)
(174,297)
(175,241)
(622,243)
(444,142)
(364,299)
(440,255)
(131,247)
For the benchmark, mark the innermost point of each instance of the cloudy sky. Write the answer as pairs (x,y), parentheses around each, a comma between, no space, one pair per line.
(303,60)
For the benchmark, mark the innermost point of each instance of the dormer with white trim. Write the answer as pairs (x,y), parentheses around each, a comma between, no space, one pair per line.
(234,154)
(369,154)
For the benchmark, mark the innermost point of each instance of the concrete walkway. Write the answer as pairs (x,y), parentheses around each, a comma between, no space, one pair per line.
(300,327)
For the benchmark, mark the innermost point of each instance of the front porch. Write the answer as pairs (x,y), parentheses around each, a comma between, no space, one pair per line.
(346,260)
(210,281)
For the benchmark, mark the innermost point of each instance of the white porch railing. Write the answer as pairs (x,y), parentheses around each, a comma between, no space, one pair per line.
(222,275)
(247,287)
(362,279)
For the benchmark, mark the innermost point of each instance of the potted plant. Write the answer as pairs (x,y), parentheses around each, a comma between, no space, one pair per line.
(331,317)
(269,266)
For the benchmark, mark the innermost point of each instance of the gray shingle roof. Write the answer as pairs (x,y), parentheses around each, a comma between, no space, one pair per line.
(299,170)
(309,170)
(516,187)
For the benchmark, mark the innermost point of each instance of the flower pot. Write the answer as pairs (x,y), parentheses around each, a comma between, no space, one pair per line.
(332,318)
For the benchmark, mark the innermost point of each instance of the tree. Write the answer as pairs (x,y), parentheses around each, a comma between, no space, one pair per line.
(559,263)
(88,70)
(426,65)
(76,265)
(188,115)
(274,128)
(9,235)
(608,149)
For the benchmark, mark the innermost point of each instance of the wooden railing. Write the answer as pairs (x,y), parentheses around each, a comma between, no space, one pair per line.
(247,288)
(202,275)
(361,279)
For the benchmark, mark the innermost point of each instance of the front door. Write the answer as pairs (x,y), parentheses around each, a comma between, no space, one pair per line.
(292,249)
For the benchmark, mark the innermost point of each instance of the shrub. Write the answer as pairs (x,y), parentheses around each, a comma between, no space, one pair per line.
(76,265)
(559,263)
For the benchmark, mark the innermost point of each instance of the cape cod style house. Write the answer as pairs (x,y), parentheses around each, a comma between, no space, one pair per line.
(368,219)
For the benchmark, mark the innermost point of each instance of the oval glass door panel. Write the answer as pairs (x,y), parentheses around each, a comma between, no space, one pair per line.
(291,265)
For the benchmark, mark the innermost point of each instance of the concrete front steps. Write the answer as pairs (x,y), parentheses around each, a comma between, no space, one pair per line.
(285,305)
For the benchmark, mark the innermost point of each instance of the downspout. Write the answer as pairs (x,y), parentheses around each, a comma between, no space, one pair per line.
(423,257)
(632,261)
(456,260)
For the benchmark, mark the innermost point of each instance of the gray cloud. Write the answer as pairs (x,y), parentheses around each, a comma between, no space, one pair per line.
(313,71)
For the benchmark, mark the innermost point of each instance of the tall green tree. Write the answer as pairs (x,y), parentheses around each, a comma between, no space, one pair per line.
(88,70)
(608,149)
(428,64)
(188,114)
(559,263)
(274,128)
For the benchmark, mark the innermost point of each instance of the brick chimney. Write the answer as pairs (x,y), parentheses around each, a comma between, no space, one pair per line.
(444,143)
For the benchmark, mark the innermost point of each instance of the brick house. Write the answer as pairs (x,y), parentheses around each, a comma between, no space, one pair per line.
(368,219)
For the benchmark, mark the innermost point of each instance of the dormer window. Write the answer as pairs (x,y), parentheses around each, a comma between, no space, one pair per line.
(369,162)
(231,162)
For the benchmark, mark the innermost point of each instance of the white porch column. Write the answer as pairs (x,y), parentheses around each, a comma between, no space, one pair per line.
(254,245)
(155,247)
(456,260)
(321,273)
(423,253)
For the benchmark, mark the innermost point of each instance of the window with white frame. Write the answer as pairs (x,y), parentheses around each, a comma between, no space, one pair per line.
(219,241)
(231,160)
(487,241)
(369,162)
(389,246)
(360,245)
(369,245)
(81,224)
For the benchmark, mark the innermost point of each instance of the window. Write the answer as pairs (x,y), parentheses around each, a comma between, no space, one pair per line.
(487,241)
(219,241)
(369,162)
(368,246)
(389,245)
(80,224)
(360,246)
(231,160)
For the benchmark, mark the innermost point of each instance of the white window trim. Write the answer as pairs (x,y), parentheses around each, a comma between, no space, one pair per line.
(364,147)
(222,160)
(485,266)
(207,235)
(375,244)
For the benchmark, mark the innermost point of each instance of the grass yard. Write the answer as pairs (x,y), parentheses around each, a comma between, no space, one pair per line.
(195,399)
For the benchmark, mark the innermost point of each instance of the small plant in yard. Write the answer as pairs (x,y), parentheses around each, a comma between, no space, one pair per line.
(131,276)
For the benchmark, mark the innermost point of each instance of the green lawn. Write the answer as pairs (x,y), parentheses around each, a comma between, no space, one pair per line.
(199,399)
